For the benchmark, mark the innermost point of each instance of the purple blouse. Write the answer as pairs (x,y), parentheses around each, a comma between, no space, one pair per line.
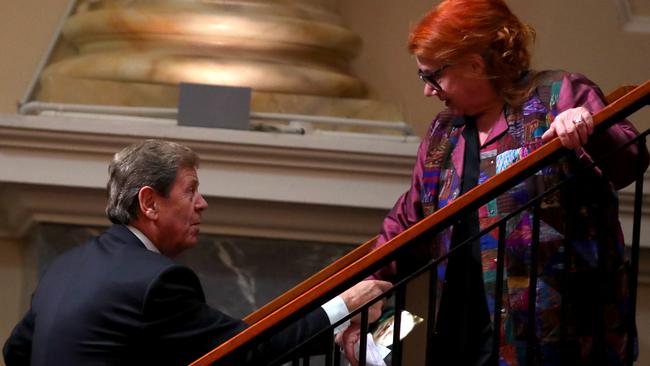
(594,241)
(576,91)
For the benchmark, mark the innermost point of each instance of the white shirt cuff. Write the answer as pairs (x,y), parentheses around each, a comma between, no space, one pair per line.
(337,310)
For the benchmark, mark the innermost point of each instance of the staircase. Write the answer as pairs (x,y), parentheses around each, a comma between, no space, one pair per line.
(363,261)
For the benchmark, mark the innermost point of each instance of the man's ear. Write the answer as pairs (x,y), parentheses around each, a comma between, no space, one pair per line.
(147,197)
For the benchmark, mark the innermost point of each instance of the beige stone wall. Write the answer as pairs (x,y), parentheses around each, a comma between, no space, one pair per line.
(582,35)
(27,27)
(592,42)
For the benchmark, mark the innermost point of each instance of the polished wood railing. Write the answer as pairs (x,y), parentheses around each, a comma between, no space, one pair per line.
(314,291)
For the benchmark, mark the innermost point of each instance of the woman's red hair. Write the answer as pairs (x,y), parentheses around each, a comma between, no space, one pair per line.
(456,28)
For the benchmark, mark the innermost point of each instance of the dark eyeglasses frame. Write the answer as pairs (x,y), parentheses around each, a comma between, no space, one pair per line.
(432,79)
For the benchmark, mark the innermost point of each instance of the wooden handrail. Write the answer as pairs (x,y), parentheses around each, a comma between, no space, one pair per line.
(337,276)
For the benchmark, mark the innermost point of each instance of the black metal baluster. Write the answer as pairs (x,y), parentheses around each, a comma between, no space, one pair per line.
(337,356)
(363,336)
(563,285)
(498,293)
(634,258)
(599,344)
(400,301)
(331,348)
(532,289)
(565,251)
(431,315)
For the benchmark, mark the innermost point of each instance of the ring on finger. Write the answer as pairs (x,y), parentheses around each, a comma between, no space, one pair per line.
(578,121)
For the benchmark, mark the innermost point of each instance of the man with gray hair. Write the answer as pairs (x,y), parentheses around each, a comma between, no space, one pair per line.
(121,299)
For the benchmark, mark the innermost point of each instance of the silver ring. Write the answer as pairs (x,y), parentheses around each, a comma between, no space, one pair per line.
(578,121)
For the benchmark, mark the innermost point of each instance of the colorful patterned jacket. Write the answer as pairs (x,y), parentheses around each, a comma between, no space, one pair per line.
(582,271)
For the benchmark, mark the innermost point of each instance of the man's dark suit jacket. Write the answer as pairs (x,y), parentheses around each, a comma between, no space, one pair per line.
(112,301)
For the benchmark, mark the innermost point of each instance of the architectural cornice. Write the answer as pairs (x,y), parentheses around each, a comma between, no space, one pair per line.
(633,21)
(258,184)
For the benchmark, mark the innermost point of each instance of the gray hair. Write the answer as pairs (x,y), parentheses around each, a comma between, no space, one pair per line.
(152,163)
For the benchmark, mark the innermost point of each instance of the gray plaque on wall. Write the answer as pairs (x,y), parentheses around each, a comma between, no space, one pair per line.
(215,106)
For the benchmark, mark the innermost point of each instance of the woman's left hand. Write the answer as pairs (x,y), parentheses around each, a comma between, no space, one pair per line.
(572,126)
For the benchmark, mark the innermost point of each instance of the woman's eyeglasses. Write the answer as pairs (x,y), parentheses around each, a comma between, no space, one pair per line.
(432,78)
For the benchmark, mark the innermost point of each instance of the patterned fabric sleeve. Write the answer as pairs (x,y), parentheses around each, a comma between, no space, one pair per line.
(578,91)
(407,210)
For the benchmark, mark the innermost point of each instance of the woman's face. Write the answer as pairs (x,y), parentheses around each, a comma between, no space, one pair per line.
(464,86)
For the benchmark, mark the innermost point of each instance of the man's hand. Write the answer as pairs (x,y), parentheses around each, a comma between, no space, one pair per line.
(355,297)
(363,292)
(346,340)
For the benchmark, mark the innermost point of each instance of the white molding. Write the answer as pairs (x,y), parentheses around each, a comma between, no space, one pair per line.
(235,164)
(632,23)
(258,184)
(26,205)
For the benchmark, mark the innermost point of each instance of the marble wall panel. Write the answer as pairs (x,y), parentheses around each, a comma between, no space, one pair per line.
(238,274)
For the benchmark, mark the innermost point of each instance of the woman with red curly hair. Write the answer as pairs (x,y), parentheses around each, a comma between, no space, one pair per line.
(473,56)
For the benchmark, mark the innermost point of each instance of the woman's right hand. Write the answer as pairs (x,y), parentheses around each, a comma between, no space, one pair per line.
(572,126)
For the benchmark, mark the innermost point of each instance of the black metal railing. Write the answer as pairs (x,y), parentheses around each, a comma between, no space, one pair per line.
(329,354)
(333,355)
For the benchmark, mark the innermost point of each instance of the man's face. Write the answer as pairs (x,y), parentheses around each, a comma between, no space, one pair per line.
(179,214)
